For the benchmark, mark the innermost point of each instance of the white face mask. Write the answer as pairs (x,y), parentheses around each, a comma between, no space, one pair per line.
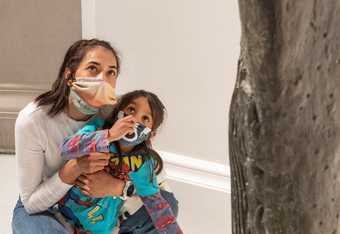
(95,91)
(81,105)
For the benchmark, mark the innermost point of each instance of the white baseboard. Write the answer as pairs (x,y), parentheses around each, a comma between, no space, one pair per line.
(184,169)
(197,172)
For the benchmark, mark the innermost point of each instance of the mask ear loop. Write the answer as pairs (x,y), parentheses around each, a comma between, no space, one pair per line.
(69,79)
(120,114)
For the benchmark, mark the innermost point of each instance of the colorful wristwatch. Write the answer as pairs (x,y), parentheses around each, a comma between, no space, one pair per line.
(127,190)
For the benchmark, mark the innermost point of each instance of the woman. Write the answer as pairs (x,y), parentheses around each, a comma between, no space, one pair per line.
(44,178)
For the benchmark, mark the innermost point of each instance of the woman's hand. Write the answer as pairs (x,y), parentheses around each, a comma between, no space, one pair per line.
(122,127)
(87,164)
(100,184)
(93,162)
(69,172)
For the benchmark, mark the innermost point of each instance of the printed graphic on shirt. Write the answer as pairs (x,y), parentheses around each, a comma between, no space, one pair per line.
(91,215)
(129,163)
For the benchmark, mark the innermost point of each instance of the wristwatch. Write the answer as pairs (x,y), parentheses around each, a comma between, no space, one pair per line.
(128,190)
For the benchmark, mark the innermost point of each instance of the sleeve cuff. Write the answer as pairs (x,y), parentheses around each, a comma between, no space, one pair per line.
(60,187)
(102,141)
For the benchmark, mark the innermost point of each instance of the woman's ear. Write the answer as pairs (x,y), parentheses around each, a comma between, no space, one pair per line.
(67,76)
(67,73)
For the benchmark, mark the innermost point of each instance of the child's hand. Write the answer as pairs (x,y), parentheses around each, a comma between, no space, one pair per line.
(122,127)
(92,163)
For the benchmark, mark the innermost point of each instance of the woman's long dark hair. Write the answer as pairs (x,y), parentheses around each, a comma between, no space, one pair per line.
(157,111)
(57,97)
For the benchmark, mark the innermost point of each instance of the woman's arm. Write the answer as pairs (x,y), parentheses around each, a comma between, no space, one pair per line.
(36,195)
(158,208)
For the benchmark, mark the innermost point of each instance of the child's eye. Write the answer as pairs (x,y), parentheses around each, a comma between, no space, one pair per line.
(146,119)
(112,73)
(130,110)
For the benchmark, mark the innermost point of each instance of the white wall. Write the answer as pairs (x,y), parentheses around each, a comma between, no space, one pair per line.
(186,51)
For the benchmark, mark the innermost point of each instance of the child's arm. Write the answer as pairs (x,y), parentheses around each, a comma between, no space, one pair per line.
(86,140)
(158,208)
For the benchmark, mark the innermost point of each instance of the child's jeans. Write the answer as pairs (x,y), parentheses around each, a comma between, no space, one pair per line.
(45,222)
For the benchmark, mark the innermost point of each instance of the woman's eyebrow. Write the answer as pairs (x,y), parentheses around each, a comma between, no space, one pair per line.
(94,62)
(98,64)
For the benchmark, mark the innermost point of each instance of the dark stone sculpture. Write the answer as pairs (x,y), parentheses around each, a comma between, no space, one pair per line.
(283,139)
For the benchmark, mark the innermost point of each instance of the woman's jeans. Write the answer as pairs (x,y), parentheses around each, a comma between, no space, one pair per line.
(45,222)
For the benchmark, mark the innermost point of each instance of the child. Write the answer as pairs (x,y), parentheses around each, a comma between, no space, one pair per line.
(132,160)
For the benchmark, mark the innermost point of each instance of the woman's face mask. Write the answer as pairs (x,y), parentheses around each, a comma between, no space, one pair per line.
(95,91)
(81,105)
(88,94)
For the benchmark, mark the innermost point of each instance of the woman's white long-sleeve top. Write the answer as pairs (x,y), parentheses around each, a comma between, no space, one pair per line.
(37,138)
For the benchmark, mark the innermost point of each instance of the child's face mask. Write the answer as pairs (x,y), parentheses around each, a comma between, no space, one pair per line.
(95,91)
(140,134)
